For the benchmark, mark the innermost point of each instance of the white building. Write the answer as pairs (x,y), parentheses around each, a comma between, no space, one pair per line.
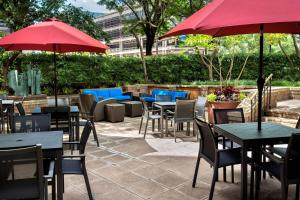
(3,28)
(124,44)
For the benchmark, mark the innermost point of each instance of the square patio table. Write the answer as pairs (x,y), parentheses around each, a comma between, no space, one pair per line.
(163,106)
(248,137)
(74,111)
(52,147)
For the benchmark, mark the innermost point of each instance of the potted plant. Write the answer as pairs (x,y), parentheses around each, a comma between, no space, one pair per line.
(223,98)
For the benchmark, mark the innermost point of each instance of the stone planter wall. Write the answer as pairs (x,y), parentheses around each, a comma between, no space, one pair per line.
(30,102)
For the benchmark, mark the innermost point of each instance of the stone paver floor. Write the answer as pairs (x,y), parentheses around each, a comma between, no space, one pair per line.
(127,167)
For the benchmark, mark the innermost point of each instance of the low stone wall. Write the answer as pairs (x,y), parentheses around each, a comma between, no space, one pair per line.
(30,102)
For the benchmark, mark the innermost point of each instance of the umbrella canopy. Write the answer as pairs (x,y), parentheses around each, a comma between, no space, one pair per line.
(233,17)
(52,35)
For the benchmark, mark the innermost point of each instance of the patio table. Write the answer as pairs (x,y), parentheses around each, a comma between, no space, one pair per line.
(74,111)
(163,106)
(248,137)
(52,147)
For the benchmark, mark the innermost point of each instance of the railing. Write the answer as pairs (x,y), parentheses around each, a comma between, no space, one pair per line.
(266,98)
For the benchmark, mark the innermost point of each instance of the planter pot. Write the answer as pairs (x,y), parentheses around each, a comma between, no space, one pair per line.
(219,105)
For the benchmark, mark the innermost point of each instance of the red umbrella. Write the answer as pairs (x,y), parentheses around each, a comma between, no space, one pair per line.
(232,17)
(52,35)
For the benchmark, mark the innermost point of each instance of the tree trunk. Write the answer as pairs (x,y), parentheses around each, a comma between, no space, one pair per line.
(296,45)
(150,39)
(138,41)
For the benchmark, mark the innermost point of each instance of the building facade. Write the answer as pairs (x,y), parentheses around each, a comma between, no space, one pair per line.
(124,44)
(4,28)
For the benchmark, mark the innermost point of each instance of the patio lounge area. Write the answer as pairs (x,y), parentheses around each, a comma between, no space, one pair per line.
(126,166)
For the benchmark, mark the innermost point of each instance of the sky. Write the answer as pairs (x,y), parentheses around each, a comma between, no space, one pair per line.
(90,5)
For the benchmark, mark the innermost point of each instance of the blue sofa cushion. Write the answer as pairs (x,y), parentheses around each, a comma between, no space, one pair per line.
(103,93)
(115,92)
(122,98)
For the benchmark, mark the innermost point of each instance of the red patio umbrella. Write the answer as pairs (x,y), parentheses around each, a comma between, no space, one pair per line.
(52,35)
(233,17)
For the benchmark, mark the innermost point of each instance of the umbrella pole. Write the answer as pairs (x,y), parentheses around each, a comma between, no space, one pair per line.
(55,75)
(261,79)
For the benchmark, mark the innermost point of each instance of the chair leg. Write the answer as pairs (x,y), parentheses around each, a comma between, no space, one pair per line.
(175,131)
(158,125)
(53,185)
(297,192)
(211,193)
(224,174)
(167,131)
(252,181)
(196,169)
(88,187)
(141,125)
(284,190)
(232,174)
(153,124)
(146,128)
(257,183)
(95,133)
(188,128)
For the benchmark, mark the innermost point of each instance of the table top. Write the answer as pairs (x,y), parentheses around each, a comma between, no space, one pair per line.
(247,132)
(165,103)
(74,109)
(50,140)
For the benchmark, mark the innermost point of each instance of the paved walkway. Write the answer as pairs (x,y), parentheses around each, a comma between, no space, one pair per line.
(127,167)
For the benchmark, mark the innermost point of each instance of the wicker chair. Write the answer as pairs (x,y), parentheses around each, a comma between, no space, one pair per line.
(31,123)
(22,174)
(285,169)
(184,112)
(75,164)
(163,98)
(200,107)
(208,150)
(20,108)
(3,118)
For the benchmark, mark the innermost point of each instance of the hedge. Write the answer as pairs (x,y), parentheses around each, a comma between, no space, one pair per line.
(80,71)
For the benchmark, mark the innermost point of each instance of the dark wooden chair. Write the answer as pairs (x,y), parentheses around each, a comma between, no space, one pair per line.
(22,174)
(88,112)
(20,108)
(285,169)
(31,123)
(4,118)
(75,164)
(217,158)
(228,116)
(60,119)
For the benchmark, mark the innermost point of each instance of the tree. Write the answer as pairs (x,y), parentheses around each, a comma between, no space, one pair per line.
(19,14)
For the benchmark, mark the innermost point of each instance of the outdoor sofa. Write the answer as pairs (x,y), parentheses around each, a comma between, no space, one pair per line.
(109,93)
(174,94)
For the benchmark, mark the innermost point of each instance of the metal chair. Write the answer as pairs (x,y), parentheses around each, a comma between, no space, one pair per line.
(31,123)
(285,169)
(20,108)
(60,119)
(200,107)
(22,174)
(228,116)
(149,114)
(163,98)
(184,112)
(75,164)
(87,112)
(3,117)
(208,150)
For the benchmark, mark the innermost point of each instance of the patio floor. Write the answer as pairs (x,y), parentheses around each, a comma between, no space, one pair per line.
(127,167)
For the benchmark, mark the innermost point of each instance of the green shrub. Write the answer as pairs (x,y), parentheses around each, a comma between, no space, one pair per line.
(79,71)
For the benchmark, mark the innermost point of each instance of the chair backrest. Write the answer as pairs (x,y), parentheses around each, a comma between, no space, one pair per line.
(21,173)
(292,157)
(200,107)
(208,141)
(62,101)
(92,108)
(60,116)
(163,98)
(229,116)
(20,108)
(145,106)
(86,101)
(298,123)
(185,109)
(85,136)
(31,123)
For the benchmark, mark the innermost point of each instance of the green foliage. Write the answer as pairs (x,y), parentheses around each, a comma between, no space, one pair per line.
(78,71)
(211,97)
(242,96)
